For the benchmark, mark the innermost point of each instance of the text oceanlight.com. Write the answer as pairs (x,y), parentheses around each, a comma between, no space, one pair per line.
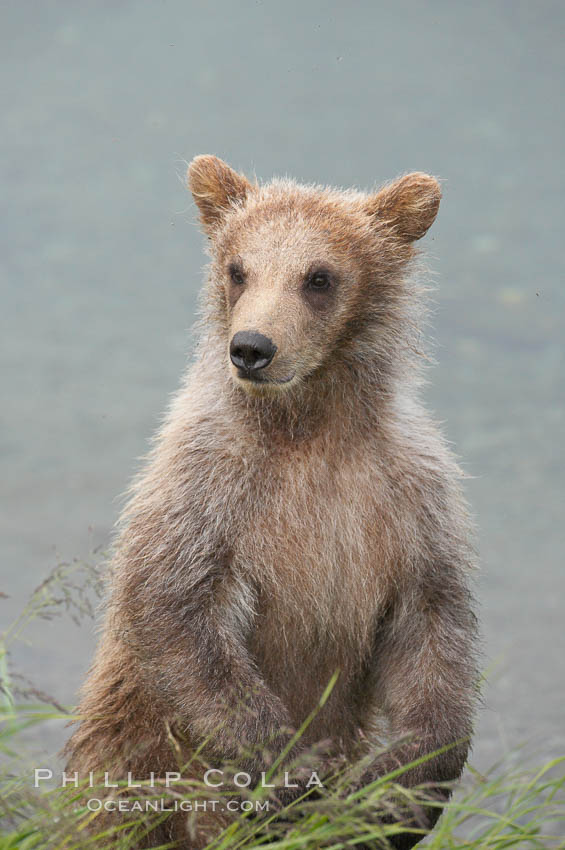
(160,805)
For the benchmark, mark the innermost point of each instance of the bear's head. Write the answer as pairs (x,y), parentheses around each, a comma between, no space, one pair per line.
(303,277)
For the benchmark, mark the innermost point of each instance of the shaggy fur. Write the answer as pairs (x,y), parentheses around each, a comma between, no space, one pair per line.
(280,531)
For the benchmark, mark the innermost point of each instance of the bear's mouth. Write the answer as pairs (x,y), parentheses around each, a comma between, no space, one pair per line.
(246,375)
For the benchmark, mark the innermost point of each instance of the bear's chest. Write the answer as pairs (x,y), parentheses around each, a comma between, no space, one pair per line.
(315,551)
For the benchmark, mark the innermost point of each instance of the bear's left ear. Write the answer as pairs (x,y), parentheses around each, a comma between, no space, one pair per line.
(215,188)
(409,205)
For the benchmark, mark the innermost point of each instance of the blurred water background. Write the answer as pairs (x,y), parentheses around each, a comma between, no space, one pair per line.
(101,103)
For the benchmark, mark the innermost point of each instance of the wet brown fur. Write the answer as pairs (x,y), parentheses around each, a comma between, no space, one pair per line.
(279,532)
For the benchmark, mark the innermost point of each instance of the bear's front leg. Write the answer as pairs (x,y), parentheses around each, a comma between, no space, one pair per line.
(426,681)
(175,659)
(192,642)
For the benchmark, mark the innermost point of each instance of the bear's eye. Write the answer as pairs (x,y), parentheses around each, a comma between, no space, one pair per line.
(318,280)
(236,275)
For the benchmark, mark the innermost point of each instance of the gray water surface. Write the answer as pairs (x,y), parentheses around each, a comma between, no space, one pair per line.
(101,262)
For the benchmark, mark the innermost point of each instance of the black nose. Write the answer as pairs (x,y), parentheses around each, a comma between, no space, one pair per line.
(251,351)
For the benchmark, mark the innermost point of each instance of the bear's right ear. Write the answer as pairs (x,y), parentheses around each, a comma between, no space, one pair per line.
(215,188)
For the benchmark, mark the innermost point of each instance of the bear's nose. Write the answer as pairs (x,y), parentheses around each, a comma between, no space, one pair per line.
(251,351)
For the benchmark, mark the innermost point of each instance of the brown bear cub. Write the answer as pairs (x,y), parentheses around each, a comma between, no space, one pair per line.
(298,514)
